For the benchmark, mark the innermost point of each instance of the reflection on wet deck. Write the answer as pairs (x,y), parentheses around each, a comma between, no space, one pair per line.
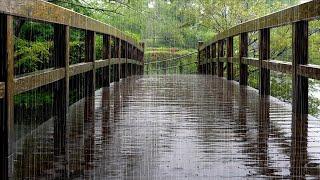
(172,127)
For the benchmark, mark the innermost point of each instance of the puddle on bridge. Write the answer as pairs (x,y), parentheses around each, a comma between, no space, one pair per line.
(171,127)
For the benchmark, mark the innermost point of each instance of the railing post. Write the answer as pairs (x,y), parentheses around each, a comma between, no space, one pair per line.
(200,43)
(229,56)
(106,55)
(299,97)
(117,64)
(264,54)
(123,56)
(214,56)
(130,57)
(7,136)
(142,57)
(220,55)
(208,63)
(61,96)
(90,56)
(127,57)
(300,57)
(134,57)
(243,53)
(119,59)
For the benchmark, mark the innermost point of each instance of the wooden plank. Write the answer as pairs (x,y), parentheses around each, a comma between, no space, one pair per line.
(300,57)
(80,68)
(264,53)
(306,11)
(251,61)
(220,58)
(309,70)
(243,47)
(7,137)
(38,79)
(279,66)
(48,12)
(230,75)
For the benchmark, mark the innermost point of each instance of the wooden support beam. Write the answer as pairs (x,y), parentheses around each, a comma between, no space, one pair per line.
(130,57)
(208,60)
(142,44)
(61,97)
(117,55)
(243,46)
(264,54)
(106,55)
(230,55)
(126,50)
(200,43)
(38,79)
(299,97)
(7,137)
(90,56)
(300,57)
(220,55)
(213,56)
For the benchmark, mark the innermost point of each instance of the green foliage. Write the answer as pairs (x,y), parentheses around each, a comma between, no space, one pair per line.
(33,99)
(29,56)
(184,65)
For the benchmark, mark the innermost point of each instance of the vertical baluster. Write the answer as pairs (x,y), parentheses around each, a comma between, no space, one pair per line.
(126,56)
(243,46)
(90,56)
(130,58)
(220,55)
(142,57)
(208,60)
(117,63)
(214,56)
(264,54)
(229,61)
(61,96)
(119,58)
(200,43)
(299,99)
(106,55)
(134,72)
(7,136)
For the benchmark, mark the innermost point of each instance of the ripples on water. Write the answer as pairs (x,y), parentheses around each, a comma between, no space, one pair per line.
(171,127)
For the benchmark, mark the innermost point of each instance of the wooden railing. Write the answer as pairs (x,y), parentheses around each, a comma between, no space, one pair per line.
(211,58)
(129,63)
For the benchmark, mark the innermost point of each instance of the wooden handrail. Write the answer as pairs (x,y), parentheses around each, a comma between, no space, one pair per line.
(47,12)
(306,11)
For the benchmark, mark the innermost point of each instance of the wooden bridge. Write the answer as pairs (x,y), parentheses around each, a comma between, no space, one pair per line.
(150,108)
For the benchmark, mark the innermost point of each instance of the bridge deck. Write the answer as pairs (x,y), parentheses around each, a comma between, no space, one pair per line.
(174,127)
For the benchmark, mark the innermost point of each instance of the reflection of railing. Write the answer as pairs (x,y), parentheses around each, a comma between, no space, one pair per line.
(175,60)
(128,60)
